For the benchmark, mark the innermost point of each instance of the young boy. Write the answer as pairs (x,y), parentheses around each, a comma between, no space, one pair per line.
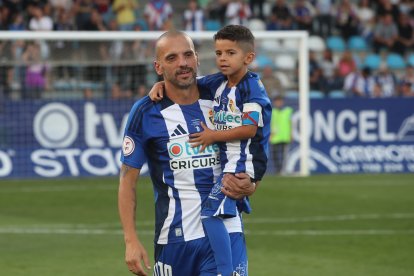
(241,116)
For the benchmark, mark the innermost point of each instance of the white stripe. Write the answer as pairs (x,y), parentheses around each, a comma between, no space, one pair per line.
(163,238)
(189,197)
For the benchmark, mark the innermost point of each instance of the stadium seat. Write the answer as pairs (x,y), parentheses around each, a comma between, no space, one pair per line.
(256,24)
(290,44)
(285,62)
(212,25)
(292,94)
(336,44)
(337,94)
(262,61)
(372,61)
(395,61)
(316,43)
(283,78)
(357,43)
(410,60)
(316,94)
(270,45)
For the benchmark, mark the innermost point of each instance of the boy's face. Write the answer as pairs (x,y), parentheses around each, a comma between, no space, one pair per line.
(231,59)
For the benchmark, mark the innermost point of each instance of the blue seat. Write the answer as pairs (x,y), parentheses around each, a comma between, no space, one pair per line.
(372,61)
(337,94)
(212,25)
(410,60)
(357,43)
(395,61)
(292,94)
(316,94)
(263,61)
(336,43)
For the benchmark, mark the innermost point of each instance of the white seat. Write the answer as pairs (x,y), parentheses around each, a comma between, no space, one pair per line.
(285,62)
(270,45)
(316,43)
(256,24)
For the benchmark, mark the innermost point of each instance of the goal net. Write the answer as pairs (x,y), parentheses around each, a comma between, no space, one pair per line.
(64,96)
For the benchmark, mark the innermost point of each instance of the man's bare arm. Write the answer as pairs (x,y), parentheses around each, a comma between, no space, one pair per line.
(135,252)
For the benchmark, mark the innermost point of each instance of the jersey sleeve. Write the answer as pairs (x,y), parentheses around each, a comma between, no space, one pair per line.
(134,142)
(256,103)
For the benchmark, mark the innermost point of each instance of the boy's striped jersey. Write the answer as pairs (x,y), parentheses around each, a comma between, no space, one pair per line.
(245,103)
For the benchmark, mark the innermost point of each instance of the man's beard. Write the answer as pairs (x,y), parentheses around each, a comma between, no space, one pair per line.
(186,83)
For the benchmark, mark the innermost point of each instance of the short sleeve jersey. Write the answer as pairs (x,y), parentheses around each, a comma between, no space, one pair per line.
(232,107)
(182,176)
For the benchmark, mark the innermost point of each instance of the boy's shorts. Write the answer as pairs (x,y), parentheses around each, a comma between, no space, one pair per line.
(218,204)
(195,257)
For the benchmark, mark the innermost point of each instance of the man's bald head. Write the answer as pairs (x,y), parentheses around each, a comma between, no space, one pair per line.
(163,40)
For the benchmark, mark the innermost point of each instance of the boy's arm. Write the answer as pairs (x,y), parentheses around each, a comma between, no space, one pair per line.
(157,92)
(208,136)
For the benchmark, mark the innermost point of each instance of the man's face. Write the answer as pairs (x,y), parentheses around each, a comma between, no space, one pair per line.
(177,61)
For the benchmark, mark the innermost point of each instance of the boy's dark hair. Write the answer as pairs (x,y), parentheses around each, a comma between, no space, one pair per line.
(237,33)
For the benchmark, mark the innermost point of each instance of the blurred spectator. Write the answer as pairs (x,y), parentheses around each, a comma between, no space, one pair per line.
(272,84)
(324,9)
(17,23)
(366,19)
(125,13)
(406,6)
(40,21)
(82,10)
(332,80)
(385,34)
(407,82)
(388,7)
(238,12)
(281,16)
(315,73)
(256,7)
(405,40)
(361,84)
(346,64)
(193,17)
(216,10)
(158,14)
(303,15)
(36,72)
(95,22)
(386,82)
(6,72)
(346,19)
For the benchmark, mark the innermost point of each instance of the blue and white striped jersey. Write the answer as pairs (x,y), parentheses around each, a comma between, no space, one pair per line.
(230,107)
(182,177)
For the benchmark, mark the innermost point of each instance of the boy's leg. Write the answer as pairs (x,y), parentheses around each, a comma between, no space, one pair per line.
(220,243)
(217,207)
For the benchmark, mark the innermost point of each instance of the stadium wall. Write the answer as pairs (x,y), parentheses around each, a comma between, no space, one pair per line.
(83,138)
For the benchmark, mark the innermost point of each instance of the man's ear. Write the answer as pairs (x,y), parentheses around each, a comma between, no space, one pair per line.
(158,68)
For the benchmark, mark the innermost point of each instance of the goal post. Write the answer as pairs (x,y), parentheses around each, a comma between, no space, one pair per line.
(300,50)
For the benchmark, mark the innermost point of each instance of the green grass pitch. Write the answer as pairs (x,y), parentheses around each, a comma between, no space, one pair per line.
(341,225)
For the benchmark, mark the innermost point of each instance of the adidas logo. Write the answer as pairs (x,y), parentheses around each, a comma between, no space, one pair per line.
(179,130)
(217,99)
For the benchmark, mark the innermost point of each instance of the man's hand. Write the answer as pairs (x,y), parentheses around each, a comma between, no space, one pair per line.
(204,138)
(237,186)
(135,254)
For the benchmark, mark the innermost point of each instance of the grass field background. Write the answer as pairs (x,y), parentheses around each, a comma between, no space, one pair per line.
(359,225)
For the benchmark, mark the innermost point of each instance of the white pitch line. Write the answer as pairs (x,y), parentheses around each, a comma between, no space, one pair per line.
(340,232)
(348,217)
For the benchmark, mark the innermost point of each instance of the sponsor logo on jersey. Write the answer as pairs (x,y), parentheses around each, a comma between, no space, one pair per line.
(184,156)
(128,146)
(179,130)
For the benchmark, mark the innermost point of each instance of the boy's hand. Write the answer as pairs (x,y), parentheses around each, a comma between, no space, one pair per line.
(157,92)
(203,138)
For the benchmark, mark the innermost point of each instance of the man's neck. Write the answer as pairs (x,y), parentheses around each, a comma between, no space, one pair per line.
(182,96)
